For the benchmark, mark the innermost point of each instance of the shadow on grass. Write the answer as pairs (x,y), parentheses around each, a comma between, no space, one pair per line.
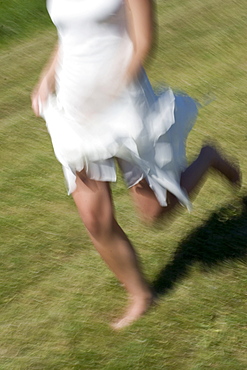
(222,237)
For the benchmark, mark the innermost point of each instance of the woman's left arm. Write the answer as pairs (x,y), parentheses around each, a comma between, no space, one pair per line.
(141,26)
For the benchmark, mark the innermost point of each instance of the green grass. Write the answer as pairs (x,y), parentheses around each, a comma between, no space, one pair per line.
(57,296)
(18,19)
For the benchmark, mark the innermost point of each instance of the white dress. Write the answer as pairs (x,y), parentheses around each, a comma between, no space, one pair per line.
(94,117)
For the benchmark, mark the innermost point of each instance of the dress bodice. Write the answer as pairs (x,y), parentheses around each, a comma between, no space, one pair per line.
(94,51)
(86,25)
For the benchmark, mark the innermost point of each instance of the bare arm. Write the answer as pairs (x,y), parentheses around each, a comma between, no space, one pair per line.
(46,84)
(141,25)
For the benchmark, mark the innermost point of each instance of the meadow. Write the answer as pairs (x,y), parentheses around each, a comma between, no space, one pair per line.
(57,297)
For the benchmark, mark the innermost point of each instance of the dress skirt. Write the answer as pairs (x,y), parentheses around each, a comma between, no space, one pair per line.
(145,132)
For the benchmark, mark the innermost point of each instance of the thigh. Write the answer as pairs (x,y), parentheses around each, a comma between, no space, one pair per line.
(93,200)
(144,199)
(147,203)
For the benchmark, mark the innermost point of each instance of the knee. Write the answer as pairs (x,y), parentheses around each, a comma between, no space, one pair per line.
(146,204)
(97,225)
(92,224)
(149,215)
(155,212)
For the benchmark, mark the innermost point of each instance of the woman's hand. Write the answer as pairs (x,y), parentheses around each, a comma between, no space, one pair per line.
(40,95)
(46,85)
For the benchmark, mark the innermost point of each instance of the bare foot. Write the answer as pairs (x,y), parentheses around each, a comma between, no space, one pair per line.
(229,169)
(136,309)
(236,177)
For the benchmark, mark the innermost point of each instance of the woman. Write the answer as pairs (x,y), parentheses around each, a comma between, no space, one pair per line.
(105,108)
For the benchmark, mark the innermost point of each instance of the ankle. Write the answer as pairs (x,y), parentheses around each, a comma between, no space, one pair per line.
(146,296)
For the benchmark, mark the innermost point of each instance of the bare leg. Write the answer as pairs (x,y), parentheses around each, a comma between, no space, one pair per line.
(209,157)
(94,203)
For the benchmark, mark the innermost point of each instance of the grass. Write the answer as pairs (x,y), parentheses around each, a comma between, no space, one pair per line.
(57,296)
(20,19)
